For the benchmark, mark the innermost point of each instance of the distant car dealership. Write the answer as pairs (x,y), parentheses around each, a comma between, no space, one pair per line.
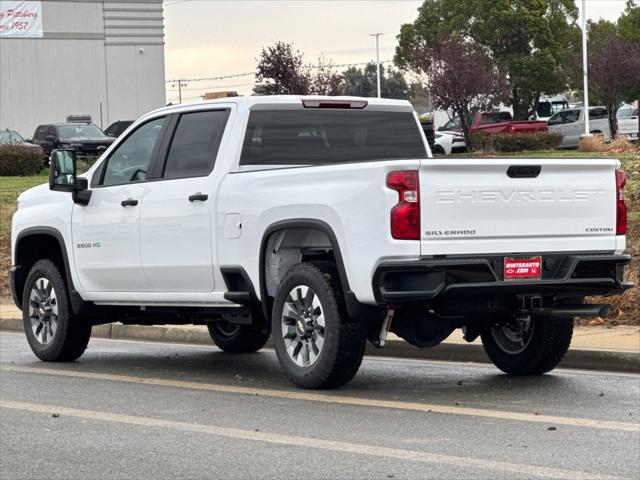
(95,58)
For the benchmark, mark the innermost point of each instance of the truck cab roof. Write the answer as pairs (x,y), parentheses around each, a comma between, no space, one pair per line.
(290,101)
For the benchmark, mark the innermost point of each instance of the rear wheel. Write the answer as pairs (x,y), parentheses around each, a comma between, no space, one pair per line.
(52,331)
(528,346)
(237,338)
(316,343)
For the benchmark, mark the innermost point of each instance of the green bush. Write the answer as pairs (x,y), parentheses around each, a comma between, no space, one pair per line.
(84,163)
(515,142)
(480,141)
(20,161)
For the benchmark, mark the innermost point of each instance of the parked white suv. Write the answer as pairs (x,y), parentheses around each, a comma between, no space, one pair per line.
(628,122)
(570,123)
(323,222)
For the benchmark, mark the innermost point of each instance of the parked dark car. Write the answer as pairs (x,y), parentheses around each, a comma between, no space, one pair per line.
(116,128)
(11,137)
(85,138)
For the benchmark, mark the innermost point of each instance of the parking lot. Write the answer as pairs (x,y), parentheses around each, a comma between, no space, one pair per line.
(149,410)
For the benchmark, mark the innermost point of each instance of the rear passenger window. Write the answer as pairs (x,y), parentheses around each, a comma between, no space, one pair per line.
(195,144)
(41,132)
(597,113)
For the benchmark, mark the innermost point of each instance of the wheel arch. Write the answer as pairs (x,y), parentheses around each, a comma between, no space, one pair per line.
(36,243)
(354,308)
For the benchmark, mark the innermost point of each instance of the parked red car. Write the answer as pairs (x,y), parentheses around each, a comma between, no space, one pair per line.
(496,122)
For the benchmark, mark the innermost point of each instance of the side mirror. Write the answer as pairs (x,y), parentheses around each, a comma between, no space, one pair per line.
(441,128)
(50,138)
(62,176)
(62,170)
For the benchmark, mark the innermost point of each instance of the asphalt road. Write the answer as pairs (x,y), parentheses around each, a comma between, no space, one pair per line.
(152,410)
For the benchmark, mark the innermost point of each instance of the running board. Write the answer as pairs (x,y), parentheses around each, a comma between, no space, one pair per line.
(241,298)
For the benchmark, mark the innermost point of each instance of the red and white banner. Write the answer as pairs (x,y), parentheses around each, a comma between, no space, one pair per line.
(21,18)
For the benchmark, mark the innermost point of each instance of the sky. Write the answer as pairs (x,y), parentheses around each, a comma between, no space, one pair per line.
(211,38)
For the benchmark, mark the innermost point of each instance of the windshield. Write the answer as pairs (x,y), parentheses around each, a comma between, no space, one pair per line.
(544,109)
(453,124)
(7,136)
(80,131)
(558,106)
(320,137)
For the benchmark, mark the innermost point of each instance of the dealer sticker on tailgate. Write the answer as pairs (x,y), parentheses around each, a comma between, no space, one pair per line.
(519,268)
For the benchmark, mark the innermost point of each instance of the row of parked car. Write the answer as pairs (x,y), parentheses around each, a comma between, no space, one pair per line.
(85,138)
(570,123)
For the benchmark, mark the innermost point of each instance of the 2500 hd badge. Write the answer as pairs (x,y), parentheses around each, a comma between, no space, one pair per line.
(88,245)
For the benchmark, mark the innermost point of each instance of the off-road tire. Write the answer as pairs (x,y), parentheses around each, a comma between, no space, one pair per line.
(72,334)
(237,338)
(547,347)
(344,338)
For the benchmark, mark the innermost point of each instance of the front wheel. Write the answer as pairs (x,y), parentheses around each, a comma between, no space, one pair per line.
(52,331)
(317,345)
(528,346)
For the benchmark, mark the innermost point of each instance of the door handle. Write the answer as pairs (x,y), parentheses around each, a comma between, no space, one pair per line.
(129,202)
(198,197)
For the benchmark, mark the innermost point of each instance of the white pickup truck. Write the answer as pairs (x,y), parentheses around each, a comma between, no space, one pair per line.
(322,222)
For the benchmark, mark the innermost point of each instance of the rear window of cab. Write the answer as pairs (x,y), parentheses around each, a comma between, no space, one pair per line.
(324,137)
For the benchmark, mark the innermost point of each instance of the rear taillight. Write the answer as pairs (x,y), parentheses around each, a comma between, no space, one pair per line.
(405,216)
(621,208)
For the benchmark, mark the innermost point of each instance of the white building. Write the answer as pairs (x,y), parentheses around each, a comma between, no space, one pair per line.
(79,57)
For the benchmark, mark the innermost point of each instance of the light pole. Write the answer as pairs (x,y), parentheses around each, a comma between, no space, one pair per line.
(377,35)
(179,83)
(584,68)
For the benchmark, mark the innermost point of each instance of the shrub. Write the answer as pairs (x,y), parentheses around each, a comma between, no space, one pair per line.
(84,163)
(21,161)
(480,142)
(515,142)
(593,143)
(597,143)
(621,144)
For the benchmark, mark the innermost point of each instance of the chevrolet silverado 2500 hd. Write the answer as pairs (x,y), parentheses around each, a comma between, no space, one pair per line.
(322,222)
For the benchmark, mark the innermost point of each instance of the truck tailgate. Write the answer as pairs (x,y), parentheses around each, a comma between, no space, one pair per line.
(473,206)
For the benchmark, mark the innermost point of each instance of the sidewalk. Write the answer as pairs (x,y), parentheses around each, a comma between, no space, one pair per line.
(592,348)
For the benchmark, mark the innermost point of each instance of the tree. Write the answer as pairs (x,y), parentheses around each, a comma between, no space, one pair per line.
(363,83)
(629,30)
(530,39)
(614,73)
(356,83)
(324,80)
(463,78)
(281,71)
(598,31)
(394,85)
(629,22)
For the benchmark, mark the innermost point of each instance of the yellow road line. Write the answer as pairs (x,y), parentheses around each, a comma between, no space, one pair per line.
(332,398)
(307,442)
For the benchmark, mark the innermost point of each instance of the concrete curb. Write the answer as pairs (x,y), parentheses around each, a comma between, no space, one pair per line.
(614,361)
